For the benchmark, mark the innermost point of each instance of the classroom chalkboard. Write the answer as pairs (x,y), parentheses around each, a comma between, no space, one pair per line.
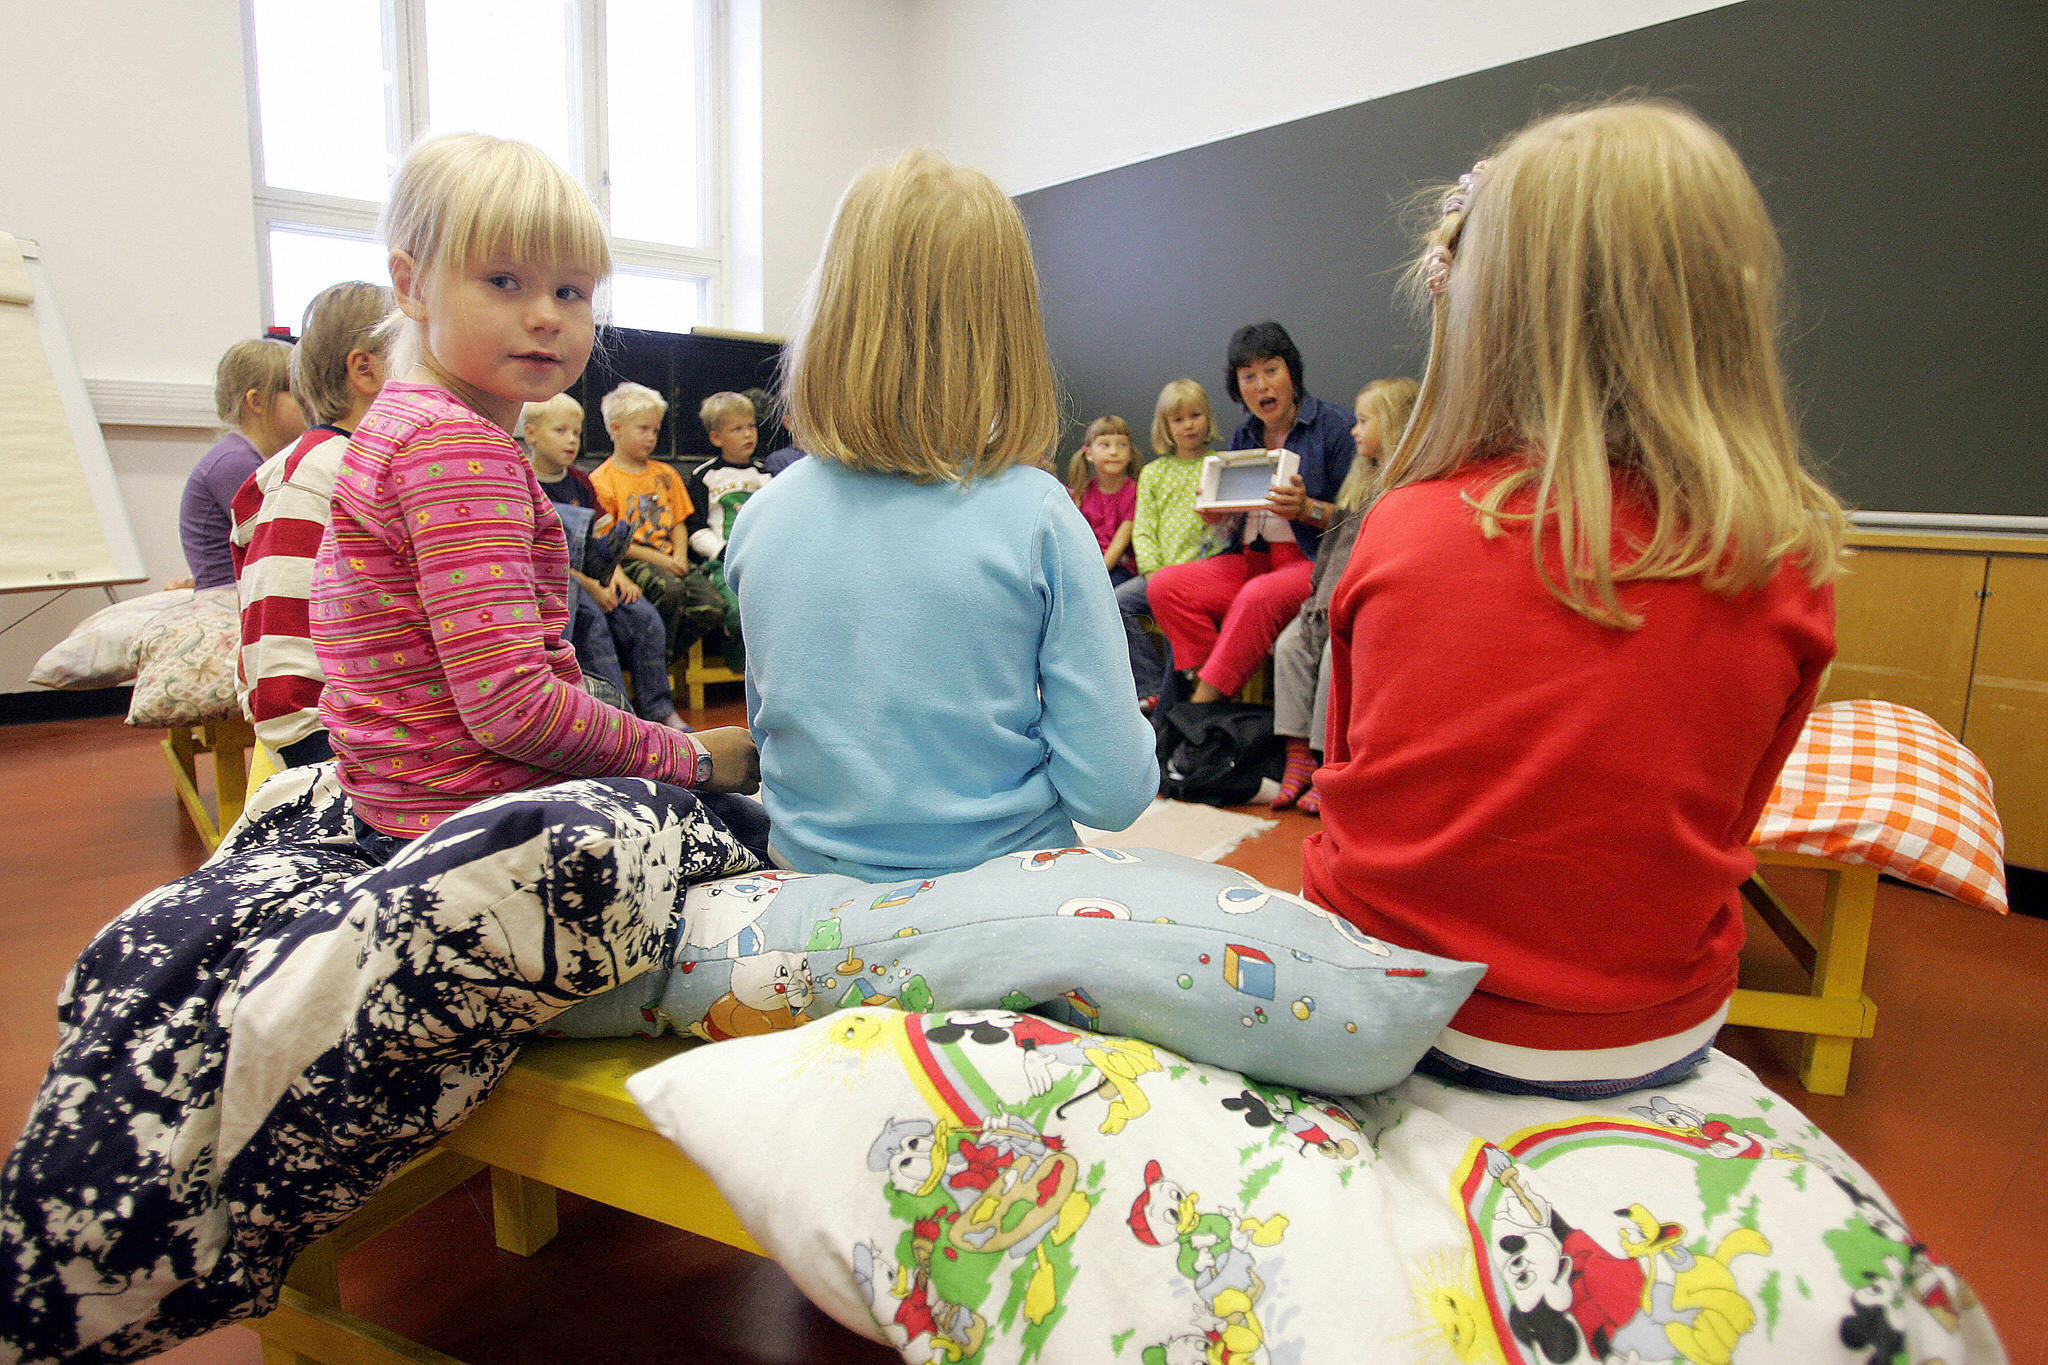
(685,369)
(1900,146)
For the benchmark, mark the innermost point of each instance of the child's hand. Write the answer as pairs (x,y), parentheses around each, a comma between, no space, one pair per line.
(606,599)
(735,762)
(624,588)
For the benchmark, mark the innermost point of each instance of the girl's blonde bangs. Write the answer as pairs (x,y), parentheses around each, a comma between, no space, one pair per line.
(467,196)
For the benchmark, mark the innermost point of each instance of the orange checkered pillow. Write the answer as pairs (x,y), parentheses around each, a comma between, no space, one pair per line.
(1877,783)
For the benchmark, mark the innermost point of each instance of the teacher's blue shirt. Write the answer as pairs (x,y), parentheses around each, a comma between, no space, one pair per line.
(1321,436)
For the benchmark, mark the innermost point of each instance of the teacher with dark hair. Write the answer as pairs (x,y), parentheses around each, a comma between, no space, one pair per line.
(1222,614)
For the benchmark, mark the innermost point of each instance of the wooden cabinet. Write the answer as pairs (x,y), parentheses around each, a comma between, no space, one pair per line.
(1957,626)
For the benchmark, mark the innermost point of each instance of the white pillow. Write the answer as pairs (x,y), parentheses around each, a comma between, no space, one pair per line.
(990,1187)
(104,649)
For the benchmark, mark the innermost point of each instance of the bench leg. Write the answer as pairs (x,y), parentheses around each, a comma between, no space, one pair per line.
(181,750)
(230,779)
(522,1212)
(1841,951)
(696,675)
(317,1275)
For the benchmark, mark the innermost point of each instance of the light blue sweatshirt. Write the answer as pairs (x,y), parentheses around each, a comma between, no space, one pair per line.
(936,675)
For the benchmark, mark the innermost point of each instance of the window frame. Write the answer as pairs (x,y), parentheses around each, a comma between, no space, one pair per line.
(408,107)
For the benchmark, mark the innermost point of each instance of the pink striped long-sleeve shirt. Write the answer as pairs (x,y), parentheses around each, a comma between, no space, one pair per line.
(439,598)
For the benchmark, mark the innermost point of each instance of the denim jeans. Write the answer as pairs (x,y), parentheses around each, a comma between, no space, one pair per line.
(1444,1068)
(1148,669)
(379,847)
(630,634)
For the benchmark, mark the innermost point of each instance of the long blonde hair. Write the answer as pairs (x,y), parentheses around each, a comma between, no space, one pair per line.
(1612,308)
(920,350)
(1390,401)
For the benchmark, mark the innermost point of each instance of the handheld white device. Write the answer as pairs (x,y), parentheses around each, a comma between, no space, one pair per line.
(1237,480)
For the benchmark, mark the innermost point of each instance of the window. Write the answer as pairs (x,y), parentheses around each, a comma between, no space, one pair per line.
(626,94)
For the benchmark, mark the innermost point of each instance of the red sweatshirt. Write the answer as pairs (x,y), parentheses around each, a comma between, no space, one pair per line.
(1511,783)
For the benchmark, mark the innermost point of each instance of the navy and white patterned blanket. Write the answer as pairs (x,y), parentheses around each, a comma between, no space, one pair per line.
(248,1053)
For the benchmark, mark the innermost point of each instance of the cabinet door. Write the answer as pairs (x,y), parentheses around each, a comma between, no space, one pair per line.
(2008,725)
(1906,630)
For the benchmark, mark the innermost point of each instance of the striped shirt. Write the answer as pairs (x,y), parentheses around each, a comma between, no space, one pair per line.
(280,515)
(439,599)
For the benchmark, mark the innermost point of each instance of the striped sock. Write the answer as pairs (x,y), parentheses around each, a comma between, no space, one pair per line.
(1301,766)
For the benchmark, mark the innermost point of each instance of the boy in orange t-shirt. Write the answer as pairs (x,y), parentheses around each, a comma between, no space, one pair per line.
(634,487)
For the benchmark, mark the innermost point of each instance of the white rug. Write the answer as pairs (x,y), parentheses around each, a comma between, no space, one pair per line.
(1186,828)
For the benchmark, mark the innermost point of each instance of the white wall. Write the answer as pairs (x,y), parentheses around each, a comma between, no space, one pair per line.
(834,76)
(1036,92)
(124,150)
(139,198)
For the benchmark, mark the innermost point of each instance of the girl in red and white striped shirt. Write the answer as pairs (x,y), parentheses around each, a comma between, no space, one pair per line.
(281,515)
(439,594)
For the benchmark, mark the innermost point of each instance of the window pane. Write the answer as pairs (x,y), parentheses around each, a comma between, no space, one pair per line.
(304,261)
(663,303)
(323,88)
(506,67)
(652,114)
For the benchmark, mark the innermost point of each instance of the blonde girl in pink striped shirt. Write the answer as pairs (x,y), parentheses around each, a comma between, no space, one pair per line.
(439,596)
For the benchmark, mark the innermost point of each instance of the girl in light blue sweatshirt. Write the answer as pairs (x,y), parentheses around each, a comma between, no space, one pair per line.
(935,667)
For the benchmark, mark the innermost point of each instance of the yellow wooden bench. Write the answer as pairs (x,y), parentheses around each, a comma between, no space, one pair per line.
(228,743)
(1835,1012)
(560,1120)
(690,675)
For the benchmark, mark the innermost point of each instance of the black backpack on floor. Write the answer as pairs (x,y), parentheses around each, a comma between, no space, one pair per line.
(1217,752)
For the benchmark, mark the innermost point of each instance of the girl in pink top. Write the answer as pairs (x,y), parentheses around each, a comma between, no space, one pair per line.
(439,595)
(1105,488)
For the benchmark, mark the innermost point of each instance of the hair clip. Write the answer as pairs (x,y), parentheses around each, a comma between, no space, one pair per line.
(1436,268)
(1460,197)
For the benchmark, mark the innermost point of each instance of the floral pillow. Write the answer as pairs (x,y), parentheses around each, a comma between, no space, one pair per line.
(973,1187)
(186,663)
(104,649)
(1877,783)
(1183,953)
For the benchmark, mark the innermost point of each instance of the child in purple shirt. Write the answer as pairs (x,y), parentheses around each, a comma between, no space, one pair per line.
(1107,494)
(251,389)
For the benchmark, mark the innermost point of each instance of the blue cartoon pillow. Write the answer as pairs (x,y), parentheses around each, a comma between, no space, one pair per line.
(1195,957)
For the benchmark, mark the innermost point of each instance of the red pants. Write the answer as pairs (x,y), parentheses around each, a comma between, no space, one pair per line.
(1223,613)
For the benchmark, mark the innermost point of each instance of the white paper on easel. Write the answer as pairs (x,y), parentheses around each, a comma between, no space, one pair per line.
(54,531)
